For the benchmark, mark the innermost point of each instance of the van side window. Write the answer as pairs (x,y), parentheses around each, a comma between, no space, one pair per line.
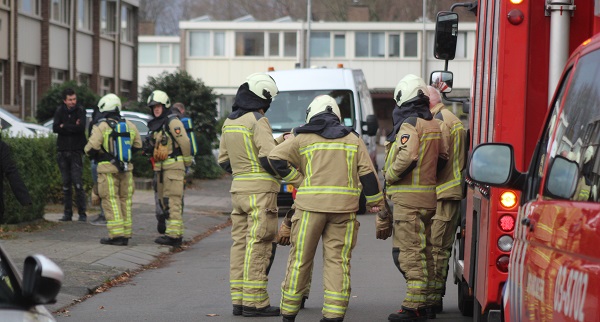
(578,128)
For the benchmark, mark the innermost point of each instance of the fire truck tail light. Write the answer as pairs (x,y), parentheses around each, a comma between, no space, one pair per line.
(516,1)
(502,263)
(507,223)
(505,243)
(508,199)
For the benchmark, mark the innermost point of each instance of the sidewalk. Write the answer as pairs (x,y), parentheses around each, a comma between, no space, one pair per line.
(87,264)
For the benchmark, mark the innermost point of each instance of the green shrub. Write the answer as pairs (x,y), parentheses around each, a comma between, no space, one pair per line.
(53,98)
(206,167)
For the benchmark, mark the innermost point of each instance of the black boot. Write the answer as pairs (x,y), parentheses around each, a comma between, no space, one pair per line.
(324,319)
(169,241)
(237,309)
(83,218)
(430,310)
(99,221)
(265,311)
(288,318)
(161,226)
(118,241)
(438,307)
(304,298)
(66,218)
(406,315)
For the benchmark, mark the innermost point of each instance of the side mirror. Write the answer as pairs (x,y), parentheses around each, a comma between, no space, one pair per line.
(442,80)
(446,35)
(493,164)
(372,125)
(42,280)
(563,176)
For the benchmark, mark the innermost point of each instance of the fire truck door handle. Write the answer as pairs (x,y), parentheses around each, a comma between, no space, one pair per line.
(527,222)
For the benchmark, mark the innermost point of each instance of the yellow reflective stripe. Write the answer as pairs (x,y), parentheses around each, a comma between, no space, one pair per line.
(329,189)
(336,309)
(169,161)
(374,198)
(455,159)
(247,133)
(255,297)
(300,244)
(293,174)
(410,188)
(188,158)
(416,284)
(237,129)
(349,158)
(291,296)
(252,233)
(308,169)
(337,296)
(255,284)
(328,146)
(236,295)
(450,184)
(346,249)
(431,136)
(236,283)
(391,156)
(254,176)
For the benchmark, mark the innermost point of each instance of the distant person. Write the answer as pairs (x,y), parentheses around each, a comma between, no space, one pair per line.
(10,171)
(101,219)
(115,179)
(171,156)
(69,124)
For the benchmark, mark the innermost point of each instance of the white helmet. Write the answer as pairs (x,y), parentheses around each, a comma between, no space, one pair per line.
(262,85)
(409,87)
(323,104)
(109,102)
(159,97)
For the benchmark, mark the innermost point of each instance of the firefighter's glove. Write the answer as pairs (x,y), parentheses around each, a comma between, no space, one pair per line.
(161,153)
(285,230)
(384,223)
(95,196)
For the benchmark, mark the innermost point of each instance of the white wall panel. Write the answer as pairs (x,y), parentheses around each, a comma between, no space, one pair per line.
(126,63)
(107,61)
(84,53)
(145,72)
(4,41)
(30,47)
(59,47)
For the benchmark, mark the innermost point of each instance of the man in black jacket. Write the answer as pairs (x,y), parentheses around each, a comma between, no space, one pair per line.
(69,124)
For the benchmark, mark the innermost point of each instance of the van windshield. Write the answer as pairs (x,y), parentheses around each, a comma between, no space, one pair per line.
(288,109)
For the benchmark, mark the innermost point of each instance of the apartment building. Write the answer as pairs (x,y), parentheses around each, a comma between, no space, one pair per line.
(46,42)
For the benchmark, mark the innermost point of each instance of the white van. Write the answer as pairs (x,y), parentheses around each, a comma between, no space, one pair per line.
(298,87)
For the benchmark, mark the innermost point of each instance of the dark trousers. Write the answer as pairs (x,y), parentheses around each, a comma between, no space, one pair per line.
(70,164)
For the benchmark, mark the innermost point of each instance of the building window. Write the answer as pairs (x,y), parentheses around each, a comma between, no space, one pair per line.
(125,88)
(84,79)
(84,15)
(175,55)
(29,91)
(127,22)
(274,44)
(289,44)
(411,44)
(320,45)
(461,45)
(58,76)
(108,17)
(158,54)
(219,45)
(31,7)
(60,11)
(249,44)
(165,54)
(339,45)
(370,44)
(105,86)
(394,45)
(147,54)
(199,43)
(5,3)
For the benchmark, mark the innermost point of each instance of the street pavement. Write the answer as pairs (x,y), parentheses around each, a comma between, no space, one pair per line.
(87,264)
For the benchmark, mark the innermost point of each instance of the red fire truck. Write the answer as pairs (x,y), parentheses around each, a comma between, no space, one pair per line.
(521,49)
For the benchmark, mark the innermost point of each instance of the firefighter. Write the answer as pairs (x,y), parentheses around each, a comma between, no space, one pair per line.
(326,162)
(449,191)
(246,141)
(171,153)
(415,150)
(115,181)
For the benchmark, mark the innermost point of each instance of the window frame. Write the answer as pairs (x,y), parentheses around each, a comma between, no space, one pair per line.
(36,8)
(63,12)
(261,48)
(108,8)
(85,12)
(130,20)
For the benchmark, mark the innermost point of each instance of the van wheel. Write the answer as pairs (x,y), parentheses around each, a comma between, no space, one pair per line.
(362,205)
(477,315)
(465,302)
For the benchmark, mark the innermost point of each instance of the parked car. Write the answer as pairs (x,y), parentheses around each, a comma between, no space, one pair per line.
(140,120)
(14,126)
(22,298)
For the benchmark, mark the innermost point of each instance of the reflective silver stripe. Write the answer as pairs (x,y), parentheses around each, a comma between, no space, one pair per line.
(392,189)
(329,189)
(255,176)
(445,186)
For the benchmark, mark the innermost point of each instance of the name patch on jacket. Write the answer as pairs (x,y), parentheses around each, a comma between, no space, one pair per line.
(404,138)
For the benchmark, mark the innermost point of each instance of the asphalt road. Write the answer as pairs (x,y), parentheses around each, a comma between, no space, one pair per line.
(193,286)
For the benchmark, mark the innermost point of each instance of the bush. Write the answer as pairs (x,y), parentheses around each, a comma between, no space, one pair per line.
(53,98)
(206,167)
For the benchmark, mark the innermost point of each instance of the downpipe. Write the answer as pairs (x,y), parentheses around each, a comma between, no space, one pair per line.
(560,12)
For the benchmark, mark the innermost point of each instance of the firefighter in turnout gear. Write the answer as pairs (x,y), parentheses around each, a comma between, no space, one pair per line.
(170,148)
(246,141)
(326,161)
(115,179)
(449,193)
(414,151)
